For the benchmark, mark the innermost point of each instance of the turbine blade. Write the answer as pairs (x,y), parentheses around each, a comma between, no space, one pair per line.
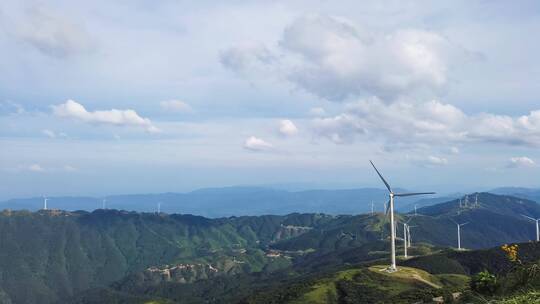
(464,224)
(528,217)
(414,193)
(382,178)
(388,208)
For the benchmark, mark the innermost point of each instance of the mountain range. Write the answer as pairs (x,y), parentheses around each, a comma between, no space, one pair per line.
(233,201)
(53,256)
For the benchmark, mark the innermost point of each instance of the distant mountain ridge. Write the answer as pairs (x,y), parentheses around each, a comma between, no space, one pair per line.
(528,193)
(230,201)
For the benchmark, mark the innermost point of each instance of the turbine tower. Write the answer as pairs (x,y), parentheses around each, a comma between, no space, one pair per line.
(372,210)
(405,239)
(537,227)
(390,209)
(459,233)
(45,203)
(103,203)
(409,234)
(159,207)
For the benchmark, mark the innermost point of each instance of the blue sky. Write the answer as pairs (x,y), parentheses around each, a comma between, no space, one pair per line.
(152,96)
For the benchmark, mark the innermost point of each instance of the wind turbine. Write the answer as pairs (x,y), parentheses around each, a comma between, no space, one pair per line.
(459,233)
(405,240)
(159,207)
(390,209)
(415,205)
(45,203)
(103,203)
(537,227)
(408,228)
(372,210)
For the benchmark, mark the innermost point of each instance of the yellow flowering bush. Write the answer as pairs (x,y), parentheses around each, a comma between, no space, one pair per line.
(511,252)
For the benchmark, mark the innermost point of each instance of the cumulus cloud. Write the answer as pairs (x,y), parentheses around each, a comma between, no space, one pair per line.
(36,168)
(521,162)
(317,111)
(334,59)
(439,161)
(176,106)
(256,144)
(287,128)
(247,57)
(75,110)
(10,107)
(69,168)
(48,133)
(52,34)
(429,161)
(426,123)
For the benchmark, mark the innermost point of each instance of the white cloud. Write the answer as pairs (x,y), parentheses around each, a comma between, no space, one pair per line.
(36,168)
(521,162)
(48,133)
(176,106)
(334,59)
(287,128)
(317,111)
(52,34)
(69,168)
(429,161)
(434,160)
(75,110)
(247,57)
(256,144)
(426,123)
(10,107)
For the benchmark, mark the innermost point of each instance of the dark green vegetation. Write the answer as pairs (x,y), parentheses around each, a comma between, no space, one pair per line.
(110,256)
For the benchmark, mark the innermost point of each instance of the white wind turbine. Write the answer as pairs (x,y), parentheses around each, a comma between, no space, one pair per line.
(103,203)
(372,210)
(405,240)
(159,207)
(45,203)
(390,209)
(459,233)
(409,234)
(537,227)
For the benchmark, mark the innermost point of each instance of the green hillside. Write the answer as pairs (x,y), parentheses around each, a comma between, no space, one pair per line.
(49,256)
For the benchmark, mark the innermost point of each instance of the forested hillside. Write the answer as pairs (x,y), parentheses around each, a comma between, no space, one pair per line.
(51,255)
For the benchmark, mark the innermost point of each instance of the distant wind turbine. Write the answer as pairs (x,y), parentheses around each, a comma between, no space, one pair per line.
(372,210)
(405,240)
(159,207)
(537,227)
(409,238)
(390,209)
(415,205)
(103,203)
(459,233)
(45,203)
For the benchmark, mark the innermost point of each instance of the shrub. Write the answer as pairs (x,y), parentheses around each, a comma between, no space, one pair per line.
(484,283)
